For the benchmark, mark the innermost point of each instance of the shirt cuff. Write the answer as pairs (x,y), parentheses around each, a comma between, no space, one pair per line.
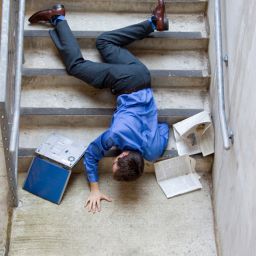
(91,177)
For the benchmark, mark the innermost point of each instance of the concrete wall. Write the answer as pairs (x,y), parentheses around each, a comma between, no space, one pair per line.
(234,171)
(3,201)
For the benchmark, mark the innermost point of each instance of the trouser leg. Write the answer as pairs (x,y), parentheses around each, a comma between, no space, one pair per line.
(95,74)
(110,44)
(111,47)
(118,75)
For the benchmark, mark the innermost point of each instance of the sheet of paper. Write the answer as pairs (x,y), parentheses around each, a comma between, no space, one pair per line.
(180,185)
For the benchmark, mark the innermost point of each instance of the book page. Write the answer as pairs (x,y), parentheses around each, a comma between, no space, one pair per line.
(190,124)
(180,185)
(207,142)
(174,167)
(190,146)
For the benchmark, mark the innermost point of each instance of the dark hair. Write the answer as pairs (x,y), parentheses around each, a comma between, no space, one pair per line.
(130,167)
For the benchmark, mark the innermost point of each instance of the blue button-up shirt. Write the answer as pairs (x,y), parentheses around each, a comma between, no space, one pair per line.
(134,126)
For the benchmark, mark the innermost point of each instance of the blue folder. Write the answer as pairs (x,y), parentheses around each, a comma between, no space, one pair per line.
(47,180)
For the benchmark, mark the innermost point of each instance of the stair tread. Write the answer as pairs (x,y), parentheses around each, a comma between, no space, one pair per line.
(48,58)
(159,78)
(135,6)
(33,130)
(82,96)
(34,135)
(97,22)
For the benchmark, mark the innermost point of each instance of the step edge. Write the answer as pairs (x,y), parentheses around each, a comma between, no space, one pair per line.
(32,111)
(94,34)
(154,73)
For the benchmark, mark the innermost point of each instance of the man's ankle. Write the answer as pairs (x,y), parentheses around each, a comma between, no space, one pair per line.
(152,22)
(56,19)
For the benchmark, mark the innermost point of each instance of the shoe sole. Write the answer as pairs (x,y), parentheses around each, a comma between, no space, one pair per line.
(166,24)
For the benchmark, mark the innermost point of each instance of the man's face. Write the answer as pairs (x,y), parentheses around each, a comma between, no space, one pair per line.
(115,166)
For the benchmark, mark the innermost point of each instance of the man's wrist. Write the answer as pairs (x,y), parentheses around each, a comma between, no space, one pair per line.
(94,186)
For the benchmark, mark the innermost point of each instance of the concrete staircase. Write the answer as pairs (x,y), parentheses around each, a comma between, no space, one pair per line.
(53,101)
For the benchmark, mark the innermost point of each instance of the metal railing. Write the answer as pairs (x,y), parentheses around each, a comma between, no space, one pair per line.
(10,88)
(227,134)
(18,77)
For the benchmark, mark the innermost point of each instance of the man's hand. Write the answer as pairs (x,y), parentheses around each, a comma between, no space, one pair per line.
(93,201)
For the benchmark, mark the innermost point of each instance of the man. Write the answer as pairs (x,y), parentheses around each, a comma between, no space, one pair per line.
(134,128)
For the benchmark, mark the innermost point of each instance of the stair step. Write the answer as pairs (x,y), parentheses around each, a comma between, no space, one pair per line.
(159,78)
(88,22)
(186,31)
(184,68)
(135,6)
(156,41)
(34,129)
(89,117)
(47,94)
(43,54)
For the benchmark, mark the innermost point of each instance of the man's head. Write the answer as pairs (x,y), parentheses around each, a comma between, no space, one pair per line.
(128,166)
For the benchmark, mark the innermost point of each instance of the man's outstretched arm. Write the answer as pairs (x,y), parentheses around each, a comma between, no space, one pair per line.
(93,154)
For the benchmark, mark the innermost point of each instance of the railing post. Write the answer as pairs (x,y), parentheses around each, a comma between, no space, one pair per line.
(10,88)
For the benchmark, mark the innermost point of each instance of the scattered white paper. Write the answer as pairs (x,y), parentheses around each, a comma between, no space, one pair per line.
(195,135)
(177,176)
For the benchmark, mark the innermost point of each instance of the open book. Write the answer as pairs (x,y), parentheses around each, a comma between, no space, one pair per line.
(177,176)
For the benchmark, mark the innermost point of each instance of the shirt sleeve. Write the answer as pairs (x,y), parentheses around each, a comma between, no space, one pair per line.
(95,151)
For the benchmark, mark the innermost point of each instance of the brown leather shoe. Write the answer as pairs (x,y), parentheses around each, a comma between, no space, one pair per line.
(47,15)
(162,22)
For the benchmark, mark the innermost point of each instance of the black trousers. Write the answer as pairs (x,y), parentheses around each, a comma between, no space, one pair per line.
(122,72)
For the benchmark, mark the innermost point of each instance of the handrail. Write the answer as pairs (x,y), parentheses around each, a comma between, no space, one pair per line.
(227,135)
(18,78)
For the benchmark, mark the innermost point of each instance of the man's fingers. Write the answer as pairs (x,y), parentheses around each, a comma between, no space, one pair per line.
(98,204)
(94,206)
(87,202)
(90,206)
(106,198)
